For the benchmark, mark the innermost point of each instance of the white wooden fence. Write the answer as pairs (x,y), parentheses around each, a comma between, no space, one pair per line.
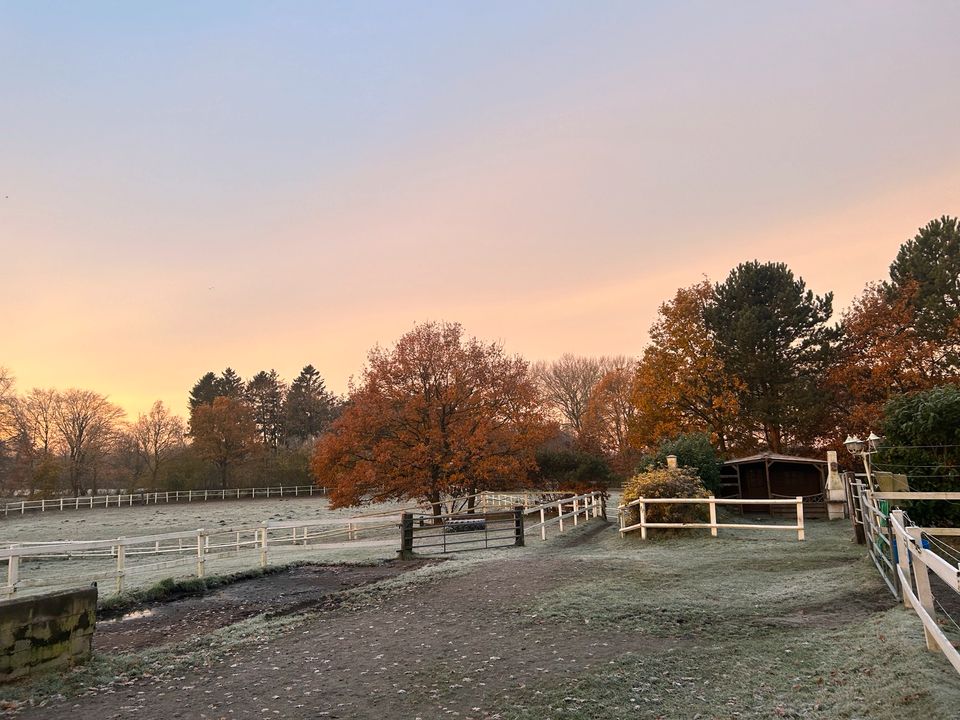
(250,544)
(87,502)
(899,549)
(642,503)
(190,548)
(914,564)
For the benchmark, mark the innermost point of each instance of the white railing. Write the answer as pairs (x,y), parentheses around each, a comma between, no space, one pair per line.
(186,548)
(87,502)
(525,498)
(250,544)
(642,503)
(589,505)
(914,564)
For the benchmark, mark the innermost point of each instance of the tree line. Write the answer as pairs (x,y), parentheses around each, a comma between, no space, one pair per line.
(754,362)
(238,433)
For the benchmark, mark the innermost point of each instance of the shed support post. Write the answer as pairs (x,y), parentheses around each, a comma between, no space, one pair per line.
(800,534)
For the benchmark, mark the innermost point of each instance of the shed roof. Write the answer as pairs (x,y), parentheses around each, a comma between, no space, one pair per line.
(774,457)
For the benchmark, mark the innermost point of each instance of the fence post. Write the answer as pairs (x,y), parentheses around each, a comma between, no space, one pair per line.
(576,511)
(263,546)
(922,578)
(200,556)
(852,503)
(903,551)
(543,526)
(121,564)
(713,516)
(406,536)
(799,517)
(13,573)
(643,519)
(518,525)
(560,514)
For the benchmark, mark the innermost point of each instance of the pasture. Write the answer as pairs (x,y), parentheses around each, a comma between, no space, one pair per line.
(220,518)
(584,625)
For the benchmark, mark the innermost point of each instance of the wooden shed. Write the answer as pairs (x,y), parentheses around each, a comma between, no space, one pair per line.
(772,475)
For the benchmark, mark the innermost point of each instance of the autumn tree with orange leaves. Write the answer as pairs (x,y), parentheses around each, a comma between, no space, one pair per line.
(681,385)
(884,354)
(609,416)
(439,413)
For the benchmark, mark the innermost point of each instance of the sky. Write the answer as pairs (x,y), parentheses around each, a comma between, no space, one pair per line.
(186,186)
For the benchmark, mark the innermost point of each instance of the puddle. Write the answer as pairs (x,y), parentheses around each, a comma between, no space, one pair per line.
(129,616)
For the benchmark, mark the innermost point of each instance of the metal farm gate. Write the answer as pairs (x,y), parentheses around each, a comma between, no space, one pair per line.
(422,533)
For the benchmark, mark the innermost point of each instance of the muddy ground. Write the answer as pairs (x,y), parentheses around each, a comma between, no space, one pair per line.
(585,625)
(297,589)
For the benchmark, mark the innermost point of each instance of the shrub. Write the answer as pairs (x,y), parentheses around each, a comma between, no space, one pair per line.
(667,483)
(693,450)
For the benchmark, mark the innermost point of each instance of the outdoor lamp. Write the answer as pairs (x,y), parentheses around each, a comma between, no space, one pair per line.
(854,444)
(874,441)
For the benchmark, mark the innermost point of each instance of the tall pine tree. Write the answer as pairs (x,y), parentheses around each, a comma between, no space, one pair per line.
(264,394)
(771,334)
(310,407)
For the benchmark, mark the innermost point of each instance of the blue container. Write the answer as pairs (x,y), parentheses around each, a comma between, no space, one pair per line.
(924,543)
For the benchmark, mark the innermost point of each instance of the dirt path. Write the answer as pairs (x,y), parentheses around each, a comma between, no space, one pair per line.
(448,648)
(582,627)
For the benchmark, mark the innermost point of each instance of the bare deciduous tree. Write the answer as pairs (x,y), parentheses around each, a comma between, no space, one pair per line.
(86,423)
(35,420)
(568,382)
(156,434)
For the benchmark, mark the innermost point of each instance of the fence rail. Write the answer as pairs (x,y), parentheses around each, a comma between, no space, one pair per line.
(119,560)
(590,505)
(914,563)
(187,548)
(900,551)
(642,503)
(88,502)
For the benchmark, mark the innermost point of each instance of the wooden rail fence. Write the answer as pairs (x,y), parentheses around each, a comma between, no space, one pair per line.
(128,557)
(88,502)
(903,556)
(914,564)
(642,503)
(186,548)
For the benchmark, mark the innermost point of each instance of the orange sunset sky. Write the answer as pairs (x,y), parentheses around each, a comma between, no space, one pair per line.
(263,185)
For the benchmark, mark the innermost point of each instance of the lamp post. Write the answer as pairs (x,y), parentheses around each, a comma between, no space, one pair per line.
(864,448)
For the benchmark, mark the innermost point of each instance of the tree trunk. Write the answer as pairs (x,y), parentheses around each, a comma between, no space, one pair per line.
(434,498)
(774,439)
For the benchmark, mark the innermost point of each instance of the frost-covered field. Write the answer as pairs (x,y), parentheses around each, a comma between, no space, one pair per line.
(219,516)
(113,522)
